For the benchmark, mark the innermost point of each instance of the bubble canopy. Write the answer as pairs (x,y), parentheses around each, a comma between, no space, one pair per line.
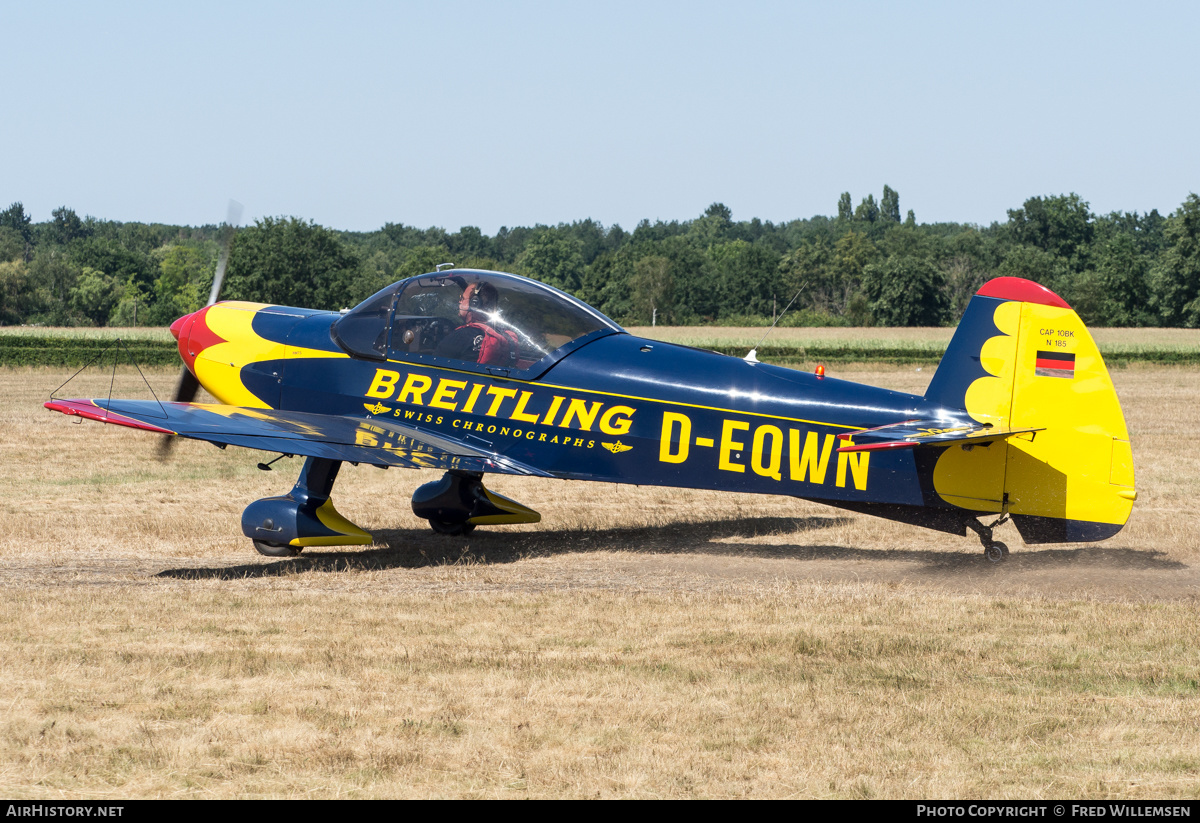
(474,320)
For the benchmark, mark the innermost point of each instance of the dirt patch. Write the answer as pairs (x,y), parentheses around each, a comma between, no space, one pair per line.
(730,554)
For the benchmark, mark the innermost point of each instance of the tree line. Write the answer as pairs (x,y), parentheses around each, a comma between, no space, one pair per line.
(866,265)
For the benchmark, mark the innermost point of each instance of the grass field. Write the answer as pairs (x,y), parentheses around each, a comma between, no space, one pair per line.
(636,643)
(160,333)
(1117,345)
(1181,339)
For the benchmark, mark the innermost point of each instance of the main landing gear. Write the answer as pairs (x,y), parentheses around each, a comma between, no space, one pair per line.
(284,526)
(993,550)
(458,503)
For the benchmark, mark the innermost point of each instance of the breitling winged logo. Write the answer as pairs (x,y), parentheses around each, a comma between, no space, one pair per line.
(378,408)
(616,448)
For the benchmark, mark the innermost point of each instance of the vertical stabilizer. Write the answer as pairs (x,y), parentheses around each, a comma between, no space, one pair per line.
(1022,358)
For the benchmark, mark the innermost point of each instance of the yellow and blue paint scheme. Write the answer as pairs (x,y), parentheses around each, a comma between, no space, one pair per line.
(1021,417)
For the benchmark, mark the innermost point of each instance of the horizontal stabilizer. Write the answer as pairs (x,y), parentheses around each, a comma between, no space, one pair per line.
(912,434)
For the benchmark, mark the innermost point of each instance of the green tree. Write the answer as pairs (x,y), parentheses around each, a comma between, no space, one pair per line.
(867,211)
(12,247)
(615,237)
(1032,263)
(852,253)
(647,232)
(968,258)
(420,260)
(1177,277)
(132,307)
(109,256)
(469,241)
(1060,225)
(183,284)
(142,238)
(66,226)
(963,277)
(375,272)
(906,291)
(292,262)
(1122,284)
(509,243)
(889,206)
(555,258)
(591,237)
(714,226)
(1145,229)
(809,266)
(845,206)
(51,277)
(695,286)
(745,278)
(907,241)
(606,283)
(652,290)
(17,299)
(94,295)
(15,220)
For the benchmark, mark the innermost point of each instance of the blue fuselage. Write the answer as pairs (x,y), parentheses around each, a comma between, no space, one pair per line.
(617,408)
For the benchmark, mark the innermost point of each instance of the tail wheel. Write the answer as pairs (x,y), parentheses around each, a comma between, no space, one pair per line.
(275,549)
(446,527)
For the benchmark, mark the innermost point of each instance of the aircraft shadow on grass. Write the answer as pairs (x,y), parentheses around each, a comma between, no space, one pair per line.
(417,548)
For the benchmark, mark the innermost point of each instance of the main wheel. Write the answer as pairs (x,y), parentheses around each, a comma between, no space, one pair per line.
(275,549)
(446,527)
(996,552)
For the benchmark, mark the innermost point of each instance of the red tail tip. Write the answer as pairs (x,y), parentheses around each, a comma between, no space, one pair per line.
(1018,288)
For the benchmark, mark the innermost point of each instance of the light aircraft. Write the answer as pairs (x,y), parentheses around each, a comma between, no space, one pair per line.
(479,372)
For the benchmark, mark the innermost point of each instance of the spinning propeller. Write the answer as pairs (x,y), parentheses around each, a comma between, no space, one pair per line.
(188,385)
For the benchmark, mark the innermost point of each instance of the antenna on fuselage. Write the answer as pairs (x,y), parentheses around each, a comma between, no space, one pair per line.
(441,266)
(752,356)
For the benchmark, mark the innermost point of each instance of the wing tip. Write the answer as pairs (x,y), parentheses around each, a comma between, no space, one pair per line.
(90,410)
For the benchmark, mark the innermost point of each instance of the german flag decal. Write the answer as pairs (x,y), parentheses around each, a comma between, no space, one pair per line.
(1055,364)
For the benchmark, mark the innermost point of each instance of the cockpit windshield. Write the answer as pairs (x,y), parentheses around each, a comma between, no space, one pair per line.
(492,320)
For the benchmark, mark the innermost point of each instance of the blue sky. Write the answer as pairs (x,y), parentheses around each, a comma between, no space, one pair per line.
(515,113)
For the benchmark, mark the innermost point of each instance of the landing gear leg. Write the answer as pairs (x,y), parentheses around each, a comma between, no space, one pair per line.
(283,526)
(993,550)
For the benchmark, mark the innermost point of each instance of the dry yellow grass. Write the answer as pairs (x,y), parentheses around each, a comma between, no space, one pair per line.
(636,643)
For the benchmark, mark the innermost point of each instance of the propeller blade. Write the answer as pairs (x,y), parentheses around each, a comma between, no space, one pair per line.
(231,221)
(188,385)
(185,392)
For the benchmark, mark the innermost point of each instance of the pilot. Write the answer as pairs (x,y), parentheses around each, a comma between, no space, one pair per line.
(477,340)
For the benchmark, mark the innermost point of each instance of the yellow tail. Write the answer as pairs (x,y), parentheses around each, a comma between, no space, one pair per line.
(1022,358)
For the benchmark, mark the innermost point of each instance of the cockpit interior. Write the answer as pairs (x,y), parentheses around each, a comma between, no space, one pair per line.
(470,319)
